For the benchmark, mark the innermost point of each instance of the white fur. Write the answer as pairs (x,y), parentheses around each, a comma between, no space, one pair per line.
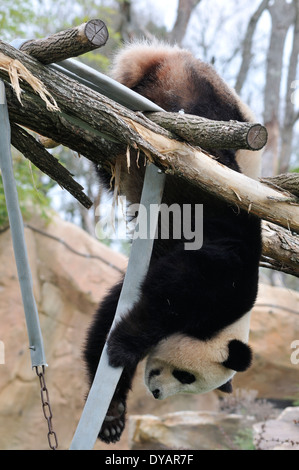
(203,359)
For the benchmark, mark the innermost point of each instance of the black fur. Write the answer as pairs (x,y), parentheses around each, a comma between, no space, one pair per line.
(239,356)
(196,293)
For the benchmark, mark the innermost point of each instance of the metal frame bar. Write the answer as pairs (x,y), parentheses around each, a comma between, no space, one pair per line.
(105,85)
(107,377)
(17,233)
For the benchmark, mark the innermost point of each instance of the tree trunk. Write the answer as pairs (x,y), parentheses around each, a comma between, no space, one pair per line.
(247,45)
(184,12)
(289,112)
(282,15)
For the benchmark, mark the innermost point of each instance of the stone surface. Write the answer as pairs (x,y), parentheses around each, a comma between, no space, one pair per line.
(274,327)
(200,430)
(279,434)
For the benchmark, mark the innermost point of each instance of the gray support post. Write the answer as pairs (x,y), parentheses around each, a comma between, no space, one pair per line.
(18,238)
(105,85)
(107,377)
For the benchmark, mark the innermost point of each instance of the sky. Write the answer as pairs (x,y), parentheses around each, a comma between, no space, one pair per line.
(163,11)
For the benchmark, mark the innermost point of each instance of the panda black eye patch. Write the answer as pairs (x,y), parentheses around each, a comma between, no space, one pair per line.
(183,376)
(154,372)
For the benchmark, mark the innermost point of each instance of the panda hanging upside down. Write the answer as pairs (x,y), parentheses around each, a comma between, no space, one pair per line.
(193,314)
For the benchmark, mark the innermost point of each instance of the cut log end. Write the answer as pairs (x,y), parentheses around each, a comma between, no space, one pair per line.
(257,137)
(96,32)
(69,43)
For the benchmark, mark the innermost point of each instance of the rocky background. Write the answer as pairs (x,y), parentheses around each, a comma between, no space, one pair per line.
(71,273)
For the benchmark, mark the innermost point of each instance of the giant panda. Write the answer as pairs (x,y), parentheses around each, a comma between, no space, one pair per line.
(192,316)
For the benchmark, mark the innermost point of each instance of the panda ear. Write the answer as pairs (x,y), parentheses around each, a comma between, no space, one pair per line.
(239,356)
(227,387)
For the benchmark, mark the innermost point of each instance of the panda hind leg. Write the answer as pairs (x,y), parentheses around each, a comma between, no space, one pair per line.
(115,420)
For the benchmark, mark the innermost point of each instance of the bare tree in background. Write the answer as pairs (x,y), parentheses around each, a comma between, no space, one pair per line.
(184,12)
(279,111)
(282,16)
(247,52)
(290,116)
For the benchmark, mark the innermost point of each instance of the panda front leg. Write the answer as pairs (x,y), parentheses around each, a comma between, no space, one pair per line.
(114,421)
(133,336)
(128,343)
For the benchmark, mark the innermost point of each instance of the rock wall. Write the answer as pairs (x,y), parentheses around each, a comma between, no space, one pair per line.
(208,430)
(68,282)
(67,289)
(274,327)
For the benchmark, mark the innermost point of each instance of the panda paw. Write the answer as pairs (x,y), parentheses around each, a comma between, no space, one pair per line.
(114,422)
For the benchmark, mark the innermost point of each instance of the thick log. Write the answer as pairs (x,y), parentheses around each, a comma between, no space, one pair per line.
(286,181)
(200,168)
(280,249)
(69,131)
(69,43)
(209,134)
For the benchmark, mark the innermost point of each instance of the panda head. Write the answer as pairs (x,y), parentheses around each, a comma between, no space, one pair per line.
(183,364)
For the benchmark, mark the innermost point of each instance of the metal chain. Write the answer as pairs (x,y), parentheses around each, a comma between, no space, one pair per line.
(52,438)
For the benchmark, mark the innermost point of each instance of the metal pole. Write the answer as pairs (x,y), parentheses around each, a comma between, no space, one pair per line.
(107,377)
(105,85)
(17,232)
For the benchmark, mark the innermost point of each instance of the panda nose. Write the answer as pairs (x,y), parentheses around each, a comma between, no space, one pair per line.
(156,393)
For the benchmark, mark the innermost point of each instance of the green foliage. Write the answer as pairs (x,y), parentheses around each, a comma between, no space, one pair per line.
(244,439)
(15,17)
(32,188)
(39,18)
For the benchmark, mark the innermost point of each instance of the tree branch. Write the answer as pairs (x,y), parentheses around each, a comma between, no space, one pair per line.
(184,12)
(247,45)
(209,134)
(69,43)
(280,249)
(37,154)
(287,127)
